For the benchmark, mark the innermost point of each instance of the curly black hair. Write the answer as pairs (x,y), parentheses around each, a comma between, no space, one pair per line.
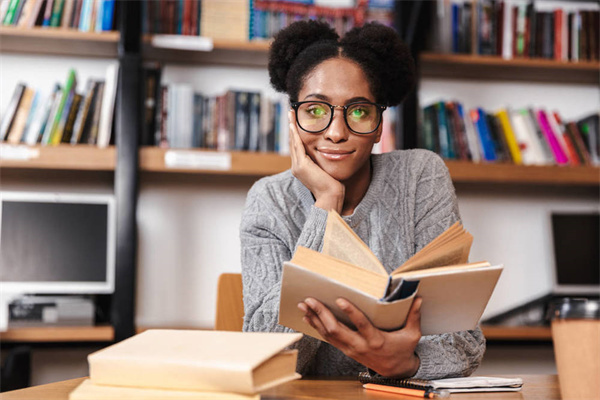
(377,49)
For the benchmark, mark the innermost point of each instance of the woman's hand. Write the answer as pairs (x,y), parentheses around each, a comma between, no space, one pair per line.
(329,193)
(390,354)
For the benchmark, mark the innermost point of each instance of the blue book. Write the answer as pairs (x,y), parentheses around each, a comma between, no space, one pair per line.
(446,149)
(108,12)
(179,21)
(455,27)
(86,16)
(485,135)
(99,16)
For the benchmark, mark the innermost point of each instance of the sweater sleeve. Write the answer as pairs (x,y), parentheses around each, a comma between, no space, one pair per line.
(266,242)
(451,354)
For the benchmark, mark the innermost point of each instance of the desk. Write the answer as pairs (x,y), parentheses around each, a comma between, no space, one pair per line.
(536,387)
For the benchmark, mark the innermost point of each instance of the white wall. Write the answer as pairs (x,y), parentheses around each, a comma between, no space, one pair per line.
(188,225)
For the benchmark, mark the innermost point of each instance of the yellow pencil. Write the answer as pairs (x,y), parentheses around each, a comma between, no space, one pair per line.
(427,394)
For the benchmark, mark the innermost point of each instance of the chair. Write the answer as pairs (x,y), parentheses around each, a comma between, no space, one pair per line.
(230,303)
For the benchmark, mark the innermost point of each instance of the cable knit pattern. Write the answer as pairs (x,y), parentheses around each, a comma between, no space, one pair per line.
(410,201)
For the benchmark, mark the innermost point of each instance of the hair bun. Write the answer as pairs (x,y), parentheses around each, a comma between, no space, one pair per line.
(290,42)
(380,47)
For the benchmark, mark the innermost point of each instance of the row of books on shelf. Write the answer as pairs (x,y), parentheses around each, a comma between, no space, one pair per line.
(178,116)
(243,20)
(518,29)
(66,115)
(521,136)
(83,15)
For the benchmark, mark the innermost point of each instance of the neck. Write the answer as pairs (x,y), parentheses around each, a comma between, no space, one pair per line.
(356,188)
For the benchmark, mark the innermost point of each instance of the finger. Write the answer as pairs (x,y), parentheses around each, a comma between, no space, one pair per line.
(334,329)
(413,321)
(303,308)
(362,323)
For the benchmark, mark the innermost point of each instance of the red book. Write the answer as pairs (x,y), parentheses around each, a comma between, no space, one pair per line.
(558,22)
(515,16)
(186,29)
(571,151)
(194,18)
(573,131)
(500,28)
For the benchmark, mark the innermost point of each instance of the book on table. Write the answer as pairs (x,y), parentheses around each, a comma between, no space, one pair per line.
(454,291)
(194,364)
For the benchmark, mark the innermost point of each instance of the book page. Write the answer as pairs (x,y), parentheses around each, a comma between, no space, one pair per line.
(440,270)
(341,242)
(451,247)
(351,275)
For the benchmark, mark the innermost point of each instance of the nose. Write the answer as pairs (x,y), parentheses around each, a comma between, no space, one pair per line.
(337,130)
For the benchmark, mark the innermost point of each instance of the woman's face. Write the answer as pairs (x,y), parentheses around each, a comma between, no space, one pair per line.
(337,150)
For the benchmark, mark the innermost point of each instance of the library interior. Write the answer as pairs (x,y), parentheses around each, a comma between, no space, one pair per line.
(132,131)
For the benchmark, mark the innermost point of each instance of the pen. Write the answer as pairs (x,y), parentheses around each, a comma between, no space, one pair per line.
(427,394)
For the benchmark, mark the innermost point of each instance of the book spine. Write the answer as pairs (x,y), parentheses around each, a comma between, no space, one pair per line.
(99,15)
(18,126)
(82,115)
(486,139)
(60,129)
(108,12)
(559,155)
(68,131)
(67,14)
(511,140)
(92,137)
(108,105)
(57,13)
(69,86)
(10,14)
(11,109)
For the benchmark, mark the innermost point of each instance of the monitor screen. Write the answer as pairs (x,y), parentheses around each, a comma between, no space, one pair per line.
(57,243)
(576,240)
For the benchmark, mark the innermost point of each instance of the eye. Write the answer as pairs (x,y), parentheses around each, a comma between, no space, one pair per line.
(359,112)
(316,110)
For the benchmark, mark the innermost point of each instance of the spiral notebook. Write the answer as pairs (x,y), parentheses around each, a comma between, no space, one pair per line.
(453,385)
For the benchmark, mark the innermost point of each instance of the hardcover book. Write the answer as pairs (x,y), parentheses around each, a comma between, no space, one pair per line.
(196,361)
(454,291)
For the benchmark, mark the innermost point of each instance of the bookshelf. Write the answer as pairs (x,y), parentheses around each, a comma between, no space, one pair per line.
(462,66)
(61,157)
(152,159)
(57,41)
(101,333)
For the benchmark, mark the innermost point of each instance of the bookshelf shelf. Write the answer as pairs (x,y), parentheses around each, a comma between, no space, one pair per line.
(538,333)
(59,41)
(492,67)
(259,164)
(152,159)
(103,333)
(61,157)
(462,171)
(254,53)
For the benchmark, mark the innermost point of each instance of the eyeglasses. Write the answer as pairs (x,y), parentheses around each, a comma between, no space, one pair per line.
(362,117)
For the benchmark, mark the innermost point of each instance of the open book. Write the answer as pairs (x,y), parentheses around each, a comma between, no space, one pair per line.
(454,291)
(190,364)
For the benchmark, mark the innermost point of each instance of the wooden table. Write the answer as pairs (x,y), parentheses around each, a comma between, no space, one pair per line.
(536,387)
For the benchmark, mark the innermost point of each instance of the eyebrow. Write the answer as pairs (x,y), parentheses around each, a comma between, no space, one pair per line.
(327,98)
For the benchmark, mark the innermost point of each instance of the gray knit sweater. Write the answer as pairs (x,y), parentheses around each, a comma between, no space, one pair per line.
(409,202)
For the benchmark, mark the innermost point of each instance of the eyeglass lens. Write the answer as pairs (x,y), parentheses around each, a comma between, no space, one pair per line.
(360,117)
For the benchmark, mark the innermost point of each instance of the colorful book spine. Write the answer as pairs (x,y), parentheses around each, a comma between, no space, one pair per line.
(108,11)
(509,134)
(559,155)
(479,119)
(11,12)
(69,87)
(57,13)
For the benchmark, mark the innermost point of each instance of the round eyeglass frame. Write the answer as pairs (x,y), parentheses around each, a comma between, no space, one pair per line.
(296,104)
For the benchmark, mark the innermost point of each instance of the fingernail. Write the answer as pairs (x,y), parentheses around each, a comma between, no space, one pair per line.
(311,303)
(302,307)
(305,320)
(341,303)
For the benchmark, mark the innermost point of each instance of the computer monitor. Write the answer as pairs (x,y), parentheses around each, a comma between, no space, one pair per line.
(576,239)
(57,243)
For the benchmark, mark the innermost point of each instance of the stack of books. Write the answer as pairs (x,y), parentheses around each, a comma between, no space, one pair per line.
(84,15)
(518,29)
(520,136)
(63,116)
(180,364)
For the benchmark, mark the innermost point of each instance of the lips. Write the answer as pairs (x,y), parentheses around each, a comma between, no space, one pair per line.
(334,154)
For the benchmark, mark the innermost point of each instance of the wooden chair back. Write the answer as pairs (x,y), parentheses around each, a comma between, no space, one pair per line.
(230,303)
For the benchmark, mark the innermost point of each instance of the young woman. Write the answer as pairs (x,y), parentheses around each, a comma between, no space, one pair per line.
(396,202)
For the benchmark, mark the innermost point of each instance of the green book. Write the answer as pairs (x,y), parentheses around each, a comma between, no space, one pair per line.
(69,85)
(9,18)
(57,11)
